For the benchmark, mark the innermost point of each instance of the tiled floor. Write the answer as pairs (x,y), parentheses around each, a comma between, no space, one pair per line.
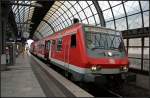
(20,80)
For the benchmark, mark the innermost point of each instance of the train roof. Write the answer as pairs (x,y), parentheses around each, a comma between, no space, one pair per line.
(76,25)
(90,25)
(87,25)
(82,24)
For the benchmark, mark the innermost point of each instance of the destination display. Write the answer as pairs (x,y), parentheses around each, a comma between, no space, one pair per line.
(101,30)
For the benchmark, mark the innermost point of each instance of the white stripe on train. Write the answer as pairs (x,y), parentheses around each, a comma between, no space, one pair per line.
(87,70)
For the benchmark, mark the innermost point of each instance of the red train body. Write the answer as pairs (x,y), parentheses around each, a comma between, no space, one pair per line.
(85,51)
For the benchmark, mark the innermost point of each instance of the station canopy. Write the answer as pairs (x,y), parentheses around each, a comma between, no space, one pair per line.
(23,11)
(119,15)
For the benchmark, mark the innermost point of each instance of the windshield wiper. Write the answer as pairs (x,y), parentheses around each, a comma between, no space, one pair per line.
(116,49)
(97,48)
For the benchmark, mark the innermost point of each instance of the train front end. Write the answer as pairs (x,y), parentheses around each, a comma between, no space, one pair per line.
(106,53)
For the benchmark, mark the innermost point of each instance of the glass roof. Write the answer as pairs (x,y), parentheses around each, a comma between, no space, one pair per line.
(23,14)
(120,15)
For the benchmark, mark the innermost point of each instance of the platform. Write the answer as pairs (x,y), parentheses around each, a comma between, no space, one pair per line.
(20,81)
(29,77)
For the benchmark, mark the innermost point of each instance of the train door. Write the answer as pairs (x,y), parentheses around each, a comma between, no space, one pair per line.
(53,49)
(47,49)
(66,53)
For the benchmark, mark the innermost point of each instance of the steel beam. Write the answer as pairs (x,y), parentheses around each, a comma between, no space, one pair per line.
(19,15)
(75,10)
(142,53)
(49,25)
(28,15)
(141,14)
(0,31)
(100,13)
(58,17)
(149,62)
(127,45)
(40,34)
(83,12)
(61,14)
(112,15)
(136,33)
(31,5)
(5,14)
(125,15)
(24,23)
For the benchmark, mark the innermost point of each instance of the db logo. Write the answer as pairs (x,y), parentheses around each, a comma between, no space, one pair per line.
(111,61)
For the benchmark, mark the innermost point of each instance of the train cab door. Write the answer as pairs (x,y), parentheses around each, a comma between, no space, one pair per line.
(69,42)
(66,53)
(47,49)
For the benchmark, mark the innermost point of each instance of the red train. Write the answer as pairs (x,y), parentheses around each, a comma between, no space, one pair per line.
(85,51)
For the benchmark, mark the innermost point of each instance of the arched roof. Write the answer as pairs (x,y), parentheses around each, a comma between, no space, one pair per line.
(23,14)
(120,15)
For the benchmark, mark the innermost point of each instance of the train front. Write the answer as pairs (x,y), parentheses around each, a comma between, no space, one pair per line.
(105,51)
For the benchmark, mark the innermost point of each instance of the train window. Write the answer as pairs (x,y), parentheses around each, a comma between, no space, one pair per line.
(43,46)
(73,41)
(53,42)
(59,44)
(48,46)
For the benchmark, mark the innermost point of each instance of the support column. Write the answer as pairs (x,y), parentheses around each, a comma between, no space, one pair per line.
(4,17)
(149,62)
(3,34)
(127,45)
(0,31)
(142,53)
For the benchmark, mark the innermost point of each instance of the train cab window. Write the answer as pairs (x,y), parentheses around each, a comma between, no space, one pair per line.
(73,41)
(59,44)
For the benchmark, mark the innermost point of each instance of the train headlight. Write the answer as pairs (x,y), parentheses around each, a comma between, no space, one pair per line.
(124,68)
(93,68)
(109,53)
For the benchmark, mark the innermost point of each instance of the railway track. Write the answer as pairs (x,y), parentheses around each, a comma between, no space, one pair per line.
(114,93)
(98,91)
(91,88)
(110,91)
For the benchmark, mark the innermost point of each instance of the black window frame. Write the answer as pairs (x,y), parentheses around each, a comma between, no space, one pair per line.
(53,42)
(59,44)
(73,43)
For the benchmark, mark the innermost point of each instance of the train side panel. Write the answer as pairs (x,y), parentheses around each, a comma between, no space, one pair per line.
(72,53)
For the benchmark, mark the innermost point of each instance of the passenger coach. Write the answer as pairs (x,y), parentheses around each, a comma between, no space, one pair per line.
(85,51)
